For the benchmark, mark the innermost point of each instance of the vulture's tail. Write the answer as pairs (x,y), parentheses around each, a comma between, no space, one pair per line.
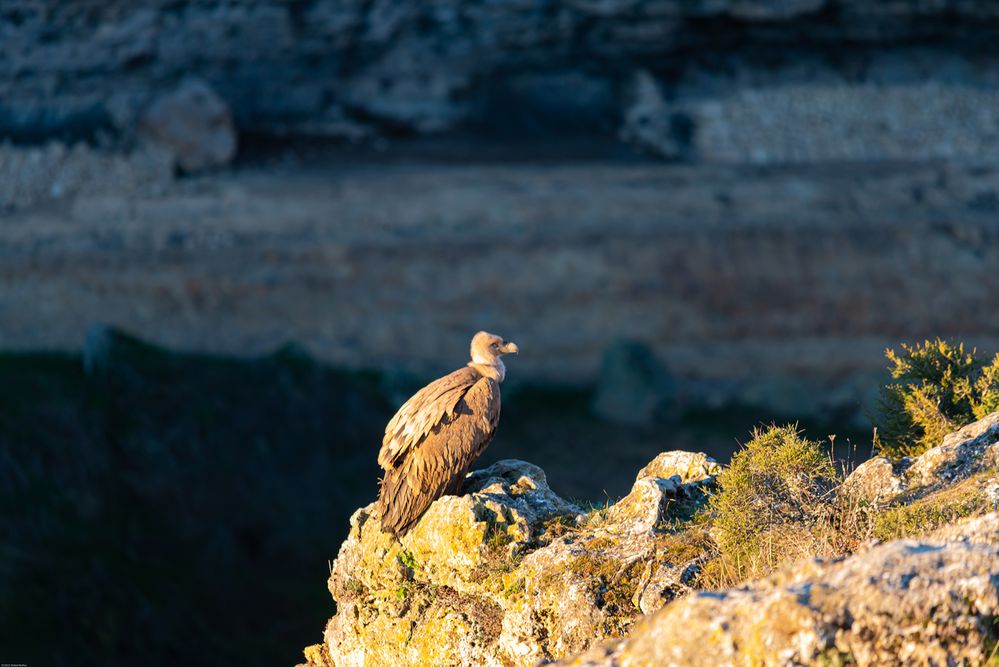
(399,506)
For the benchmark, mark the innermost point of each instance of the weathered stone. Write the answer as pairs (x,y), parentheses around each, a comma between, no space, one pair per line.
(978,529)
(876,481)
(817,122)
(969,450)
(913,602)
(195,124)
(418,66)
(505,575)
(647,505)
(647,118)
(511,574)
(673,482)
(690,467)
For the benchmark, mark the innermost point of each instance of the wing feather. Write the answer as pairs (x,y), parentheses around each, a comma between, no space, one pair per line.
(420,414)
(437,464)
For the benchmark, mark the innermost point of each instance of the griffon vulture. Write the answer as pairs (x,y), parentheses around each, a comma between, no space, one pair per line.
(435,436)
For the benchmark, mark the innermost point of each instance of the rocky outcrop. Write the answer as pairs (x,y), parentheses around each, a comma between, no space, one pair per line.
(510,574)
(971,450)
(926,602)
(793,121)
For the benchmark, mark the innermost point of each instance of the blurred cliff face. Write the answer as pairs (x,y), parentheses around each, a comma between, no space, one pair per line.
(765,195)
(754,285)
(867,80)
(674,206)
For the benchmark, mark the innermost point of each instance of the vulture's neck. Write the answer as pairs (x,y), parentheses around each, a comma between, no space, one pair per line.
(493,368)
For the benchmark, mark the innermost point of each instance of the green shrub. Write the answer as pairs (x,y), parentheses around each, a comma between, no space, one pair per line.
(939,388)
(987,390)
(770,504)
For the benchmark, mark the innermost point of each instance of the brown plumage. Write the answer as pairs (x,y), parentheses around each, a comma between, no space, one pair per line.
(437,434)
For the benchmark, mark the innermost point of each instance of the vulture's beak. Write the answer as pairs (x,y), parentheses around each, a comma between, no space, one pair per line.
(509,348)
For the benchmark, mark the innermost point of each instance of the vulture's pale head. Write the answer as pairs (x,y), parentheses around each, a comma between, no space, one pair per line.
(487,349)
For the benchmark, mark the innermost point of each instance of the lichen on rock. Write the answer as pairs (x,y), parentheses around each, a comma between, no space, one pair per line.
(690,467)
(510,573)
(906,602)
(937,475)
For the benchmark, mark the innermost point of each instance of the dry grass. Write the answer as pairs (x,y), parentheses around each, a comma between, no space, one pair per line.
(779,503)
(772,506)
(910,517)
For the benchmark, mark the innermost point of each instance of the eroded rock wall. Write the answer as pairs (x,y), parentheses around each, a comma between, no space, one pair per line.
(730,68)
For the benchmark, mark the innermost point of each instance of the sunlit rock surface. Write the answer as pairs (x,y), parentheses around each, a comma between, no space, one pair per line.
(971,450)
(510,573)
(926,602)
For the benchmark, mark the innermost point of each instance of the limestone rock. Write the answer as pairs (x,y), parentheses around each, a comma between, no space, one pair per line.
(507,575)
(511,574)
(963,453)
(906,602)
(876,481)
(418,66)
(969,450)
(817,121)
(672,484)
(978,529)
(647,118)
(195,124)
(690,467)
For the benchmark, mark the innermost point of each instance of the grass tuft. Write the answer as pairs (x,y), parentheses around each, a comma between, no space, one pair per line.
(772,499)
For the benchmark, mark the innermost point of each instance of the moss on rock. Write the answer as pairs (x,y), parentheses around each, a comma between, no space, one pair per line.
(511,574)
(970,497)
(507,574)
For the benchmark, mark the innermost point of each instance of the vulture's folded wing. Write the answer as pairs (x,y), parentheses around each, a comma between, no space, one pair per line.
(438,463)
(421,413)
